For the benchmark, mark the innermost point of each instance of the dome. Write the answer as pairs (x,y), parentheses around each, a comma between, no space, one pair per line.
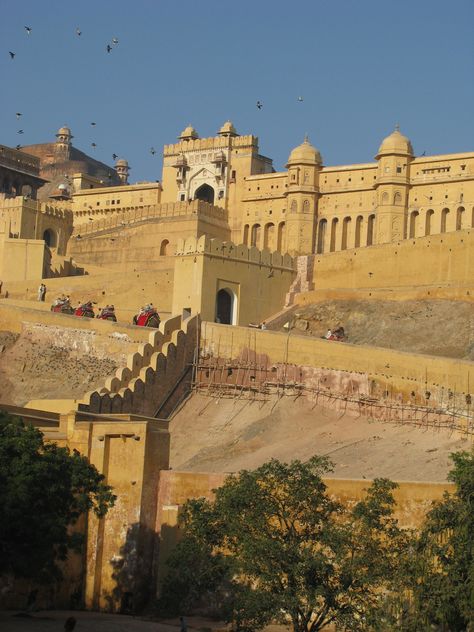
(188,133)
(305,153)
(228,129)
(121,163)
(396,143)
(64,131)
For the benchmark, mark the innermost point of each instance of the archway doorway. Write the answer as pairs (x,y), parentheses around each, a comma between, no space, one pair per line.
(205,193)
(225,307)
(50,238)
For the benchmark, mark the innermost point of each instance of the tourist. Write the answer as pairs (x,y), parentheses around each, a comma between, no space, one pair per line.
(328,334)
(183,626)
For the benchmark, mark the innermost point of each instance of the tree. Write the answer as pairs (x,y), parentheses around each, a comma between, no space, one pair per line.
(44,490)
(291,551)
(441,576)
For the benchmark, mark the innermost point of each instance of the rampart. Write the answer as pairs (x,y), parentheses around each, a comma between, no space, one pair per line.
(199,144)
(157,376)
(143,214)
(441,260)
(382,383)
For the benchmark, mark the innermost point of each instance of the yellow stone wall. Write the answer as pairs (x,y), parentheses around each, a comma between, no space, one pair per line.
(445,260)
(257,281)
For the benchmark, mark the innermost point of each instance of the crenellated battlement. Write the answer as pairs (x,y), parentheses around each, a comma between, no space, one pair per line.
(148,385)
(21,203)
(139,214)
(213,142)
(227,250)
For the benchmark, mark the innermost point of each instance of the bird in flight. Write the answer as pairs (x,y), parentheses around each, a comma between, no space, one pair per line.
(93,145)
(28,29)
(20,131)
(17,114)
(18,147)
(152,151)
(259,105)
(109,48)
(114,40)
(12,55)
(300,99)
(92,124)
(114,156)
(78,32)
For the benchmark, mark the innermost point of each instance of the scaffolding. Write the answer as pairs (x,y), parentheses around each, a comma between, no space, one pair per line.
(254,378)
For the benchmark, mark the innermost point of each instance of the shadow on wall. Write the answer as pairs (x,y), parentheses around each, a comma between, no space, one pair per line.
(135,570)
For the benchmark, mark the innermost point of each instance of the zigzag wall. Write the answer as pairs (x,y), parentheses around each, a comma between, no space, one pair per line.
(156,376)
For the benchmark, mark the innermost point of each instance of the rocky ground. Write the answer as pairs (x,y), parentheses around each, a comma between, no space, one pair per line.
(35,369)
(434,327)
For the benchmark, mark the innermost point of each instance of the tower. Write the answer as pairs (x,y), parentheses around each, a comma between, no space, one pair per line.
(122,169)
(304,165)
(393,180)
(63,142)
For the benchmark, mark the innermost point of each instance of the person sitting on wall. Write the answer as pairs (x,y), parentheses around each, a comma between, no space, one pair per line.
(328,334)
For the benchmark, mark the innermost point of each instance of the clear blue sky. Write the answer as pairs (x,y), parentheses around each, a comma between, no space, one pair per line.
(360,66)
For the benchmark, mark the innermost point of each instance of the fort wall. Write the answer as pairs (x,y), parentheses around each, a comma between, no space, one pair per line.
(441,260)
(255,281)
(393,376)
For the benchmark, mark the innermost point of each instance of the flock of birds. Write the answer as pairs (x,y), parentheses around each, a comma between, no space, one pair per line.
(109,49)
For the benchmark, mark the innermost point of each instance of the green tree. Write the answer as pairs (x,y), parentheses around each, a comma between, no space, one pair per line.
(441,576)
(291,551)
(44,489)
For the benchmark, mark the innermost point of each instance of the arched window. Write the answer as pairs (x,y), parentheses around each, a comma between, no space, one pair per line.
(50,237)
(385,198)
(459,218)
(205,193)
(306,206)
(255,237)
(413,224)
(428,221)
(269,236)
(281,239)
(346,225)
(334,223)
(370,230)
(293,207)
(444,220)
(164,247)
(358,231)
(397,198)
(245,239)
(321,236)
(226,307)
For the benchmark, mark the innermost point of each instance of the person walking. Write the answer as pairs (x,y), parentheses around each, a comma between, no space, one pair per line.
(40,292)
(43,292)
(183,626)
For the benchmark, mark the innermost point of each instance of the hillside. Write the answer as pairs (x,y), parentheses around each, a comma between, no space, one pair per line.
(435,327)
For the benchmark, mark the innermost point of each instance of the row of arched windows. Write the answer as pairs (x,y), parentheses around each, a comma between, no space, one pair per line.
(348,233)
(269,236)
(432,223)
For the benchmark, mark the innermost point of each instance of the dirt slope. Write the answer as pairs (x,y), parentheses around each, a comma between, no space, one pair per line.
(435,327)
(226,435)
(35,369)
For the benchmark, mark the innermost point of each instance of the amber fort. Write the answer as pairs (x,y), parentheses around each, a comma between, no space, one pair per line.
(248,267)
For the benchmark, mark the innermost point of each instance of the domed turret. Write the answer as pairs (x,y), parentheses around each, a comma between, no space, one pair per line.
(64,136)
(304,154)
(227,129)
(189,133)
(122,168)
(395,143)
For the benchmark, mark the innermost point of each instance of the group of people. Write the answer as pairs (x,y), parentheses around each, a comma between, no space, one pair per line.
(335,334)
(61,300)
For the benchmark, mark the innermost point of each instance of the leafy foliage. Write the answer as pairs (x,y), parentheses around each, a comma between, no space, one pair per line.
(44,489)
(288,551)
